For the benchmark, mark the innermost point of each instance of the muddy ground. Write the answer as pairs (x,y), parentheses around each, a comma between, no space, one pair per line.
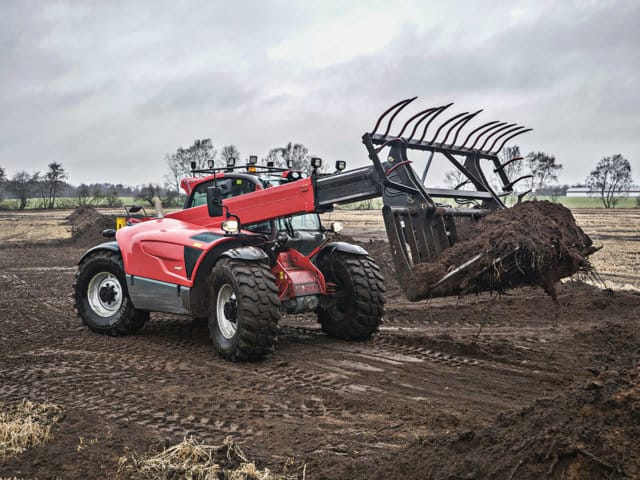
(512,386)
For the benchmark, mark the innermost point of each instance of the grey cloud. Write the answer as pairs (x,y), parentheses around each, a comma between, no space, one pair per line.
(124,83)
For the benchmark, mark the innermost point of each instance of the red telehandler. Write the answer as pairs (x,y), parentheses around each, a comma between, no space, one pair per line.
(249,246)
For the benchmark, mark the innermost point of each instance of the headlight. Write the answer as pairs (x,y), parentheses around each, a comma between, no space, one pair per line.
(231,226)
(337,227)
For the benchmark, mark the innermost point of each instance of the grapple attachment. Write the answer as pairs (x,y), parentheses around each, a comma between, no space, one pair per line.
(424,222)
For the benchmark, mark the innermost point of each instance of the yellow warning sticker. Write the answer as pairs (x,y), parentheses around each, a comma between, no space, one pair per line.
(120,222)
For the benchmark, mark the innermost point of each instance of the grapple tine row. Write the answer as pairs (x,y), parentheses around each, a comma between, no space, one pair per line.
(486,140)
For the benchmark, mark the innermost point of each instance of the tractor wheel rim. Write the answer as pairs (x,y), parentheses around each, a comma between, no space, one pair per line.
(104,294)
(227,324)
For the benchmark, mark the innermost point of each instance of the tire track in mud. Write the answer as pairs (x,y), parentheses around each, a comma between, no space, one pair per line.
(124,397)
(67,372)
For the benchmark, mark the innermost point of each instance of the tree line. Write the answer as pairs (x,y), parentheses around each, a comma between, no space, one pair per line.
(538,174)
(50,189)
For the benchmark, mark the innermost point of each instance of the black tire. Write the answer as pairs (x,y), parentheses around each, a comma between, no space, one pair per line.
(101,296)
(355,310)
(244,310)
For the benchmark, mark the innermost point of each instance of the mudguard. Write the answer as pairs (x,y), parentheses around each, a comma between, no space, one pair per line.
(340,247)
(112,246)
(246,253)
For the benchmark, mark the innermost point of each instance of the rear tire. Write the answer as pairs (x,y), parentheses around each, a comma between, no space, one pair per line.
(101,296)
(244,310)
(355,310)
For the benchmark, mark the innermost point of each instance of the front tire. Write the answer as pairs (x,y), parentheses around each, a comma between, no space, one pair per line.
(101,296)
(356,308)
(244,310)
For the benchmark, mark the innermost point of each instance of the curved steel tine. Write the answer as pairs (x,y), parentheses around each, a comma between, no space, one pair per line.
(460,124)
(406,124)
(386,112)
(504,142)
(477,129)
(429,111)
(395,114)
(483,133)
(426,127)
(446,123)
(504,134)
(486,140)
(507,163)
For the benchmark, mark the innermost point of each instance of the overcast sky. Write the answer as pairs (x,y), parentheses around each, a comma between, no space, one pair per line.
(108,88)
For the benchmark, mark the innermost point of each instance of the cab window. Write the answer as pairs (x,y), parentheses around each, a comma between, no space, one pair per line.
(230,187)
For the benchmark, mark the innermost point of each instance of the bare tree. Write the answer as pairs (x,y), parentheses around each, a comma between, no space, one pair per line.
(179,163)
(22,184)
(229,151)
(611,178)
(543,168)
(293,155)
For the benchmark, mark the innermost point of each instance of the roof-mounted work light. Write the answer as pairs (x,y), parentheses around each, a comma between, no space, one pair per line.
(316,162)
(340,165)
(231,162)
(253,159)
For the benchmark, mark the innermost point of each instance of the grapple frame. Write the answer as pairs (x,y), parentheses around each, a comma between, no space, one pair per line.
(419,228)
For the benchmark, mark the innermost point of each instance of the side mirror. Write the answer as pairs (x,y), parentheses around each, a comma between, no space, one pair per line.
(214,201)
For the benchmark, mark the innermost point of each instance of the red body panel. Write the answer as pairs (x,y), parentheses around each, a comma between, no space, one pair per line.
(155,249)
(296,276)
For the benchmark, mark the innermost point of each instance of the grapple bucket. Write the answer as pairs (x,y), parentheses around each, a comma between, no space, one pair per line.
(420,235)
(424,222)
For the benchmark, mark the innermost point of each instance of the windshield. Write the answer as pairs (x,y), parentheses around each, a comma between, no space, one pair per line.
(230,187)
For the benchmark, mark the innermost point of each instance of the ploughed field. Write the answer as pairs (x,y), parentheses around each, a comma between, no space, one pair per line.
(511,386)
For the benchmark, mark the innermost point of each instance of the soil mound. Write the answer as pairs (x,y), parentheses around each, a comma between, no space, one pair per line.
(87,225)
(533,243)
(588,432)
